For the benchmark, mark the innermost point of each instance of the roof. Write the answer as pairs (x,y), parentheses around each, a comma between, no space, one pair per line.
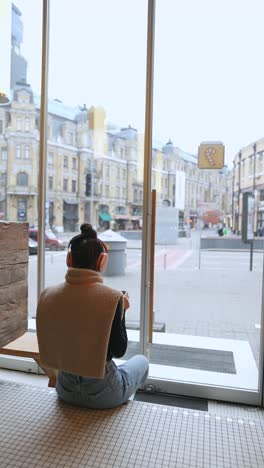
(187,156)
(57,107)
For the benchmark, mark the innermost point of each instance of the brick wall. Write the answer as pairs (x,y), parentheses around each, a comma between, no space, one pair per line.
(13,281)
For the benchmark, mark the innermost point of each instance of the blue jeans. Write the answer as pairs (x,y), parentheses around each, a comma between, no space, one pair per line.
(119,383)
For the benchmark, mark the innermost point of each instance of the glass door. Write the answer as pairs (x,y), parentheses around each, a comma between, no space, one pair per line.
(196,296)
(207,295)
(95,147)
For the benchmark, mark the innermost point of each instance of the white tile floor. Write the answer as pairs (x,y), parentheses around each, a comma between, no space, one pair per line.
(37,430)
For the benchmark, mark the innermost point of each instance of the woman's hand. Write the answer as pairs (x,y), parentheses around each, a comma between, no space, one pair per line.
(126,301)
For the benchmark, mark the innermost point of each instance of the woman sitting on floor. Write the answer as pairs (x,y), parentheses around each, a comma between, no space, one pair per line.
(81,328)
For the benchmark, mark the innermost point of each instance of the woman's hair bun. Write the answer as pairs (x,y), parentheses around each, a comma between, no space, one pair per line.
(87,230)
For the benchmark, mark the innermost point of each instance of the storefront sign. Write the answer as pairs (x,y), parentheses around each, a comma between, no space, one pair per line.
(211,155)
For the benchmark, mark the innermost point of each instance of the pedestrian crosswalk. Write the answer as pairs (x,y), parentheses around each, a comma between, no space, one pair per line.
(222,261)
(165,259)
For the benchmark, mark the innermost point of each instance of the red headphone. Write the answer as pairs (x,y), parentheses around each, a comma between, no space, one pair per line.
(102,260)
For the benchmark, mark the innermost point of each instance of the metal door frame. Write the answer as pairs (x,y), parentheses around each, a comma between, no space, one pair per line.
(183,388)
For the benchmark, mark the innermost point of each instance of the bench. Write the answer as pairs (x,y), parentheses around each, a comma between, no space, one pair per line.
(27,346)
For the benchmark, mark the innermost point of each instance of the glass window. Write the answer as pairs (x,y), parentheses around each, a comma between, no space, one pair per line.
(4,154)
(120,210)
(22,179)
(243,169)
(18,151)
(69,138)
(19,124)
(50,182)
(260,162)
(22,209)
(27,152)
(27,124)
(98,126)
(251,165)
(50,159)
(201,211)
(65,162)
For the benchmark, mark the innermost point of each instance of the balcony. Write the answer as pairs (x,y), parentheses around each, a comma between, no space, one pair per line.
(21,190)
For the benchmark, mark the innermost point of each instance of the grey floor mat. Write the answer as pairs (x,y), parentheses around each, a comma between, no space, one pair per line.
(192,358)
(172,400)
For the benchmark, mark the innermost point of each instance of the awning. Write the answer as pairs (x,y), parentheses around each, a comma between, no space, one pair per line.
(105,216)
(71,202)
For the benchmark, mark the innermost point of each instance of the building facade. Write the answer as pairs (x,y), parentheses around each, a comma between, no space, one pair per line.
(248,176)
(94,171)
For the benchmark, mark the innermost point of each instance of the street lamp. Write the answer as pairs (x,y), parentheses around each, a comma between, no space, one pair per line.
(239,191)
(254,168)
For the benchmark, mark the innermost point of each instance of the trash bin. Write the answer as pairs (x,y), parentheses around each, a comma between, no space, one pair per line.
(116,245)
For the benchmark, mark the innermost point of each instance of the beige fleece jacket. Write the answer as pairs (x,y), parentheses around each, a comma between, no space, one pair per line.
(74,321)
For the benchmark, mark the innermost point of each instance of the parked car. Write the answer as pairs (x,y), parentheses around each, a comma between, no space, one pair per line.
(51,241)
(32,247)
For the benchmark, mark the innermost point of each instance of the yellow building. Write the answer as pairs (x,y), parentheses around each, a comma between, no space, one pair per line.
(94,171)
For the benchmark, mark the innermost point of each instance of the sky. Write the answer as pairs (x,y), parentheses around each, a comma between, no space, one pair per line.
(209,67)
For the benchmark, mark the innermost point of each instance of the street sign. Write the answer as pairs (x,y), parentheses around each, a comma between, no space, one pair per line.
(248,217)
(211,155)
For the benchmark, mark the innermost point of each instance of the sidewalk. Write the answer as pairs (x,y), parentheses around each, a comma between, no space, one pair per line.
(213,304)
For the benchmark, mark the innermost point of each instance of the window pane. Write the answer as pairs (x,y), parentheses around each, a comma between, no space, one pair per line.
(50,182)
(18,151)
(50,159)
(27,152)
(19,127)
(96,132)
(206,297)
